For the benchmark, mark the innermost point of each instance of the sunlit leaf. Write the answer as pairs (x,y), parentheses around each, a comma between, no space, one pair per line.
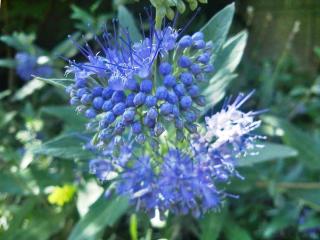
(306,145)
(67,146)
(28,89)
(103,213)
(231,53)
(72,120)
(217,28)
(269,152)
(58,82)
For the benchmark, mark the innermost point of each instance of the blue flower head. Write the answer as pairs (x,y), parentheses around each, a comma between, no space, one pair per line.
(133,93)
(184,181)
(150,83)
(27,65)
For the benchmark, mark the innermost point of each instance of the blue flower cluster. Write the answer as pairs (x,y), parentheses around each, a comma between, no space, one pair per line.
(27,65)
(141,89)
(134,92)
(186,182)
(182,186)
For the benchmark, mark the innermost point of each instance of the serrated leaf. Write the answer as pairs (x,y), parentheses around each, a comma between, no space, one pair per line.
(103,213)
(67,146)
(269,152)
(217,28)
(126,20)
(58,82)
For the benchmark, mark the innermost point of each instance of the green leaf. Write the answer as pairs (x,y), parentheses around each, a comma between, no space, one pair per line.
(126,20)
(269,152)
(309,197)
(317,51)
(87,195)
(217,28)
(226,62)
(68,115)
(66,48)
(231,53)
(103,213)
(266,88)
(36,225)
(310,223)
(233,231)
(28,89)
(81,15)
(302,141)
(4,94)
(18,183)
(7,118)
(19,41)
(58,82)
(67,146)
(211,225)
(281,220)
(217,87)
(7,63)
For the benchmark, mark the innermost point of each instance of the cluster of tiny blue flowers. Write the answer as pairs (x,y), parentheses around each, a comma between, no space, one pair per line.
(141,89)
(27,65)
(135,95)
(185,181)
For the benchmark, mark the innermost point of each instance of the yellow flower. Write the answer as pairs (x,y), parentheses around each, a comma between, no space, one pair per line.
(62,195)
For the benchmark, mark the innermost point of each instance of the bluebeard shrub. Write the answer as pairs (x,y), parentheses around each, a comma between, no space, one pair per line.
(143,102)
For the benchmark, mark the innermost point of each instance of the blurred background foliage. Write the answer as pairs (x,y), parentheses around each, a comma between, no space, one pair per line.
(44,194)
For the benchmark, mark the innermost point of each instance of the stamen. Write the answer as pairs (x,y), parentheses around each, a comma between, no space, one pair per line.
(190,21)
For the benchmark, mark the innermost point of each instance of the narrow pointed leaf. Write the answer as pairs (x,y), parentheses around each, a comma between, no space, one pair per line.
(58,82)
(269,152)
(126,20)
(103,213)
(217,28)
